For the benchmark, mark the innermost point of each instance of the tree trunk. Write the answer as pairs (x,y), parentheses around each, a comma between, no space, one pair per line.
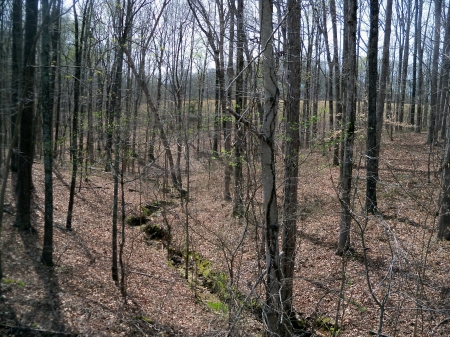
(444,219)
(271,93)
(350,8)
(384,75)
(404,67)
(47,108)
(372,78)
(432,128)
(76,108)
(291,162)
(337,81)
(238,209)
(16,68)
(412,110)
(25,162)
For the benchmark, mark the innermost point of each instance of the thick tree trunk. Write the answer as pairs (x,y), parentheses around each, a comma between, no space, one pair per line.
(350,8)
(292,146)
(25,162)
(273,310)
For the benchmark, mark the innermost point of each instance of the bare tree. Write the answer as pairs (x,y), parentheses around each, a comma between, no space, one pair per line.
(47,109)
(271,93)
(350,8)
(444,219)
(24,180)
(76,107)
(432,130)
(372,78)
(16,68)
(292,146)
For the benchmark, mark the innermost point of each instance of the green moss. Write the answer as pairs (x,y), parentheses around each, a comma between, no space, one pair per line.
(21,284)
(325,323)
(217,306)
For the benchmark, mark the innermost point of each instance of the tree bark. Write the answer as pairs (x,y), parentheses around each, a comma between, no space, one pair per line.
(292,146)
(238,209)
(47,108)
(273,310)
(350,8)
(384,75)
(444,218)
(25,162)
(337,81)
(16,68)
(432,129)
(372,78)
(76,107)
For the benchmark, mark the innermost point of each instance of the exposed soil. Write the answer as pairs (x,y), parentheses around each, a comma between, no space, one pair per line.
(77,296)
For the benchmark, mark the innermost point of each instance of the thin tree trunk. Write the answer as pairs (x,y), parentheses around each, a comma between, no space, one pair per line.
(419,70)
(372,78)
(337,81)
(384,76)
(444,219)
(238,209)
(76,100)
(227,128)
(46,108)
(432,129)
(412,110)
(16,68)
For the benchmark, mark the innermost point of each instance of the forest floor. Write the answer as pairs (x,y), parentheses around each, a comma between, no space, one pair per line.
(408,270)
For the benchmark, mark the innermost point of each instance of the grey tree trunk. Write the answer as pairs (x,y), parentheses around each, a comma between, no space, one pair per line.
(292,145)
(337,80)
(238,209)
(350,8)
(412,110)
(444,219)
(76,99)
(404,68)
(434,102)
(16,68)
(384,74)
(418,127)
(25,162)
(273,310)
(46,108)
(372,79)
